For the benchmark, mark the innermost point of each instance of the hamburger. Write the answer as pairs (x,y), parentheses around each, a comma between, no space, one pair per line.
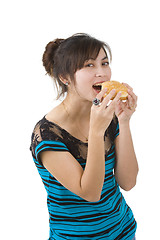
(119,87)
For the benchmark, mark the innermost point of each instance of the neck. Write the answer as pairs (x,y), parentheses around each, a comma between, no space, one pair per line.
(78,109)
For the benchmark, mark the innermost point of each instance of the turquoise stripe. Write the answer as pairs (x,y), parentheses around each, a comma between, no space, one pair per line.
(50,148)
(117,128)
(117,134)
(61,146)
(50,142)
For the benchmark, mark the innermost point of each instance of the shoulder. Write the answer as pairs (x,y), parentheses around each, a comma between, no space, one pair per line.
(44,130)
(36,133)
(47,130)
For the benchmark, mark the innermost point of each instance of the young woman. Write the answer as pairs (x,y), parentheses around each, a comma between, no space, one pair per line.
(83,147)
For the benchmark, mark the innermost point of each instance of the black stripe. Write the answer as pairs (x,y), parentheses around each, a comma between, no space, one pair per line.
(95,217)
(108,194)
(69,201)
(128,229)
(92,235)
(49,145)
(47,185)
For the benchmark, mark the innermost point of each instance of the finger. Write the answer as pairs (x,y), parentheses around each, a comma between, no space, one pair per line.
(133,95)
(108,98)
(116,99)
(128,86)
(101,94)
(130,103)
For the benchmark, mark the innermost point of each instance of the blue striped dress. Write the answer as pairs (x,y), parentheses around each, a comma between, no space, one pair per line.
(70,216)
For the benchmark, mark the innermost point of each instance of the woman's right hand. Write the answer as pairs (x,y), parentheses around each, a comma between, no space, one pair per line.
(102,115)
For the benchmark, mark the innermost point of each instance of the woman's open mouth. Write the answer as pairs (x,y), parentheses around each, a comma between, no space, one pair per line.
(97,87)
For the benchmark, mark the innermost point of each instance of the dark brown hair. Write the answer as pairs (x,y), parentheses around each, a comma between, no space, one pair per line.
(63,57)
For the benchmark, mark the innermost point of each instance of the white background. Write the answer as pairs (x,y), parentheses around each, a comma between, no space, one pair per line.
(131,28)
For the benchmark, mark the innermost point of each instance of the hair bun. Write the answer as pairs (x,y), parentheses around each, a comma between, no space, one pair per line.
(48,55)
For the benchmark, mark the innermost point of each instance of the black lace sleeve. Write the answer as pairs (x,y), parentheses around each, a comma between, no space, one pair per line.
(45,138)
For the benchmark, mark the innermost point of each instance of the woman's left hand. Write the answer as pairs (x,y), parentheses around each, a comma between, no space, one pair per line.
(124,110)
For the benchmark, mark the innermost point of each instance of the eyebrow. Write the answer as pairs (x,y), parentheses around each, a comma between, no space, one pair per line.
(106,57)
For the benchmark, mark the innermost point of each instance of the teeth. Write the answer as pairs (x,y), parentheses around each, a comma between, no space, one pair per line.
(98,84)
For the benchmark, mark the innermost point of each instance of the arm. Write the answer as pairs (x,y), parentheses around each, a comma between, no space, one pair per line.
(65,168)
(94,173)
(126,168)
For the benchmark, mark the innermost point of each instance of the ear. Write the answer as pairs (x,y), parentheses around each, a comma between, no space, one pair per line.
(65,81)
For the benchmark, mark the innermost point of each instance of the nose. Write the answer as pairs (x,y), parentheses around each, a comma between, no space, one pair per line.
(101,72)
(99,75)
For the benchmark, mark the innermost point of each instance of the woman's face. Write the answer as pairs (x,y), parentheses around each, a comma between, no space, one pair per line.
(94,71)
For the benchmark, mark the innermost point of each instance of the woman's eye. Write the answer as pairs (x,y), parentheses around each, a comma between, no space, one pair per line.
(105,63)
(89,65)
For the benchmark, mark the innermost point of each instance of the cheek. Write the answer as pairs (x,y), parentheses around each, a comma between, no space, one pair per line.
(109,72)
(83,77)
